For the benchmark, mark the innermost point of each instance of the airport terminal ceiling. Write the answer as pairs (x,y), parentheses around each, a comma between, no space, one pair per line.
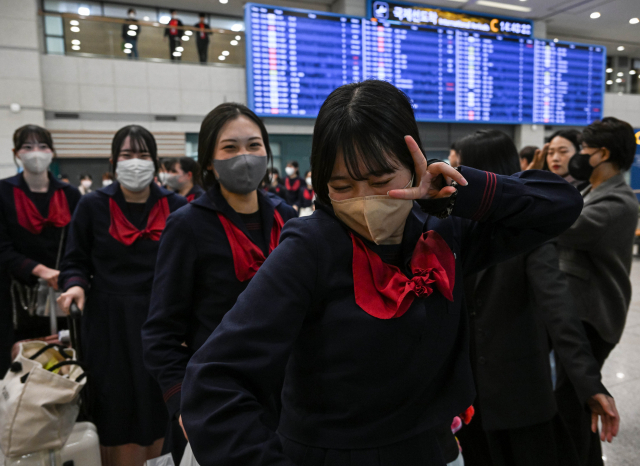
(565,19)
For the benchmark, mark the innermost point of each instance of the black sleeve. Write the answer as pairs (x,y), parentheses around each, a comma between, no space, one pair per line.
(170,312)
(504,216)
(76,268)
(556,305)
(19,265)
(232,377)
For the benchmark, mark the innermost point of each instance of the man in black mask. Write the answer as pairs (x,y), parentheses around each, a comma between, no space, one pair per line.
(596,254)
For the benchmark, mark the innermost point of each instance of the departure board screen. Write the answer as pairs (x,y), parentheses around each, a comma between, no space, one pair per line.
(295,58)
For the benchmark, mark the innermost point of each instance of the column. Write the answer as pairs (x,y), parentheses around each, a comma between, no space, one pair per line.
(20,77)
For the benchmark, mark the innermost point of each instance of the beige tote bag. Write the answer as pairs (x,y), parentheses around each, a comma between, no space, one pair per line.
(39,398)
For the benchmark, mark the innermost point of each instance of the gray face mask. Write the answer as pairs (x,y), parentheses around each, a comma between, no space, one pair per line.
(241,174)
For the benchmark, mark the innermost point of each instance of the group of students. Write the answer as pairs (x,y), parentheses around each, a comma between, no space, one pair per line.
(352,336)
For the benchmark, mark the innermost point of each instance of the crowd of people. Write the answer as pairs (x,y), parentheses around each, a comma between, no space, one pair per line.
(361,314)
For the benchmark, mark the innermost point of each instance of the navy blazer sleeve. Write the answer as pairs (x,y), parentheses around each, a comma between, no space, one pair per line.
(504,216)
(227,385)
(76,268)
(18,264)
(554,301)
(171,308)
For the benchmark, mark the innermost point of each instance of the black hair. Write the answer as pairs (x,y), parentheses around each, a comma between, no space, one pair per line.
(202,15)
(28,133)
(210,129)
(454,147)
(489,150)
(572,135)
(307,172)
(527,153)
(187,164)
(293,163)
(365,123)
(62,176)
(141,140)
(131,10)
(615,135)
(172,11)
(85,175)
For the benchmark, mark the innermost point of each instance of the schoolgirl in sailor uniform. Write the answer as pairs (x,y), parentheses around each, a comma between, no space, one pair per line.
(210,250)
(359,311)
(35,209)
(307,196)
(110,259)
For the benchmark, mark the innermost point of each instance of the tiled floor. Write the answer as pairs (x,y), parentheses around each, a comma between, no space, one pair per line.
(621,375)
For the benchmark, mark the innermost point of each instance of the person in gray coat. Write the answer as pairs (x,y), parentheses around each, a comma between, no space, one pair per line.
(596,254)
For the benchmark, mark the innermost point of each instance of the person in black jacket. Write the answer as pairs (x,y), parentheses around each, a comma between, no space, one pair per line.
(513,306)
(35,209)
(202,38)
(109,265)
(174,33)
(211,250)
(131,33)
(359,310)
(596,253)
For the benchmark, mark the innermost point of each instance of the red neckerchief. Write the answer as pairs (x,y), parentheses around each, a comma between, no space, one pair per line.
(308,194)
(247,257)
(32,220)
(123,230)
(191,197)
(295,187)
(203,35)
(383,291)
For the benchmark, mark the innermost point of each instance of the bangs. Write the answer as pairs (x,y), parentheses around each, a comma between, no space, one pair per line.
(138,142)
(365,154)
(32,134)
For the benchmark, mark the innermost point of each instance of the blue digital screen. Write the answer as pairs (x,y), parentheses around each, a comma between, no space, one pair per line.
(296,58)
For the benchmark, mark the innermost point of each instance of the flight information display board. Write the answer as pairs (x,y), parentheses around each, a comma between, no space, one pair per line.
(295,58)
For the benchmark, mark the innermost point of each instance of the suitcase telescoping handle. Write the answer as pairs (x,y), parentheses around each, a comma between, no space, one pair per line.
(74,329)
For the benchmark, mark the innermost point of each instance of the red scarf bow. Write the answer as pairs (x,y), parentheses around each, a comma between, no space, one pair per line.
(247,257)
(383,291)
(123,230)
(289,186)
(191,197)
(32,220)
(308,194)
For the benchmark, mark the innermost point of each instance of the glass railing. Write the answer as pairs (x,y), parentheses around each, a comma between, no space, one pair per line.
(99,36)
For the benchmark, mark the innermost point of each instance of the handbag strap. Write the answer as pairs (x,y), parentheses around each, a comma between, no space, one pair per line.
(62,234)
(70,363)
(61,349)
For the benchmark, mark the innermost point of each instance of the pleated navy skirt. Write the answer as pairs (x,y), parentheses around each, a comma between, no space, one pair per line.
(125,401)
(420,450)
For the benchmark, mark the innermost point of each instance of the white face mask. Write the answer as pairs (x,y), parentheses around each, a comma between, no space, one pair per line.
(86,184)
(308,181)
(162,177)
(290,171)
(36,161)
(135,174)
(106,183)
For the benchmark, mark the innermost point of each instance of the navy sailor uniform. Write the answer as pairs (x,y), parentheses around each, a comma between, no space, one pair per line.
(358,389)
(112,256)
(22,248)
(195,192)
(195,284)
